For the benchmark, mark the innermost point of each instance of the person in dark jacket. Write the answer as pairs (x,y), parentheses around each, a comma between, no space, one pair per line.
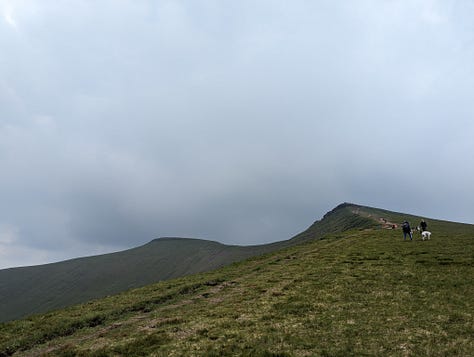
(423,225)
(406,230)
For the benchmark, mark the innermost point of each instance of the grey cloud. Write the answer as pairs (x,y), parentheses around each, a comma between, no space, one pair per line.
(241,122)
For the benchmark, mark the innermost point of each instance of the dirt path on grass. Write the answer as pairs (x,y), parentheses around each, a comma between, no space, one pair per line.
(384,222)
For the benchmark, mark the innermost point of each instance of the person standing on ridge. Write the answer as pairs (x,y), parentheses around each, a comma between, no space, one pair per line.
(406,230)
(423,225)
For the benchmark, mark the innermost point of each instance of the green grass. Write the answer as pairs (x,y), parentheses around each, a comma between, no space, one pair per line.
(363,292)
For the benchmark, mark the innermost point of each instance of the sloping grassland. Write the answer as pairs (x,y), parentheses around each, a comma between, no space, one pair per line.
(39,289)
(361,292)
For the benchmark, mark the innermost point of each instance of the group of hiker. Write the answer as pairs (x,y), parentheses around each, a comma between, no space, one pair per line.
(407,231)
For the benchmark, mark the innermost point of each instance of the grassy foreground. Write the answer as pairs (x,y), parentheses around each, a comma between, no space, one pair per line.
(360,292)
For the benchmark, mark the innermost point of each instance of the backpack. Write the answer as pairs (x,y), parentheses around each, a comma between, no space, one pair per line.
(406,227)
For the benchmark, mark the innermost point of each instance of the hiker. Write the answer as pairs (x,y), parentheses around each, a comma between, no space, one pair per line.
(423,225)
(406,230)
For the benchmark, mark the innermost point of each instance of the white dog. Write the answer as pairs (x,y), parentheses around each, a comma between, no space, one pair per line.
(425,235)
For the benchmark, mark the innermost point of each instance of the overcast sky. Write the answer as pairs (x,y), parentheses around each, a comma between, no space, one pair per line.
(236,121)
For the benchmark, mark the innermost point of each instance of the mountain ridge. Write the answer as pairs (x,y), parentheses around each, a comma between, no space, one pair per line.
(29,290)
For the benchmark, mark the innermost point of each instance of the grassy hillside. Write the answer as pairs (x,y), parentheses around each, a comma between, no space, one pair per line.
(28,290)
(360,292)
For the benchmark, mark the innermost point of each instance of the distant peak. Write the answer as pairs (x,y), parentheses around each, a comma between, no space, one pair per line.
(346,204)
(340,207)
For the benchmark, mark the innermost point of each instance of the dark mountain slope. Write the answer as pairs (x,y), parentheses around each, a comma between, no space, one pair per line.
(28,290)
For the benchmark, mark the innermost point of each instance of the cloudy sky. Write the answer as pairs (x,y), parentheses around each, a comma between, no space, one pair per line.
(236,121)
